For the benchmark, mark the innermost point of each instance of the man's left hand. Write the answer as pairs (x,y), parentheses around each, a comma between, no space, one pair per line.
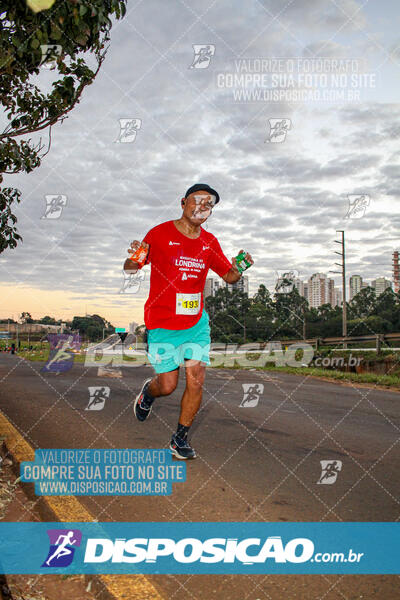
(233,275)
(234,263)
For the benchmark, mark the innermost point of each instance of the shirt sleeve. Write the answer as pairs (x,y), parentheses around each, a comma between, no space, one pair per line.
(148,238)
(219,263)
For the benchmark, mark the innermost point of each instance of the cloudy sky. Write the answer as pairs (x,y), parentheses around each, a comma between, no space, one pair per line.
(281,200)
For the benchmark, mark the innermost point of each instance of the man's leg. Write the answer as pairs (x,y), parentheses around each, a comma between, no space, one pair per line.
(191,399)
(163,384)
(190,404)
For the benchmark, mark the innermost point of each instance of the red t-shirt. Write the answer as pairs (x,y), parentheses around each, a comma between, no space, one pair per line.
(179,267)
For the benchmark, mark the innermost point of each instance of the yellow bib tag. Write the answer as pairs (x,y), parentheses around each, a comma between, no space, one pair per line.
(188,304)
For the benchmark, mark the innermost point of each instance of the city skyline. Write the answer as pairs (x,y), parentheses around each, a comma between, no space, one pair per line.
(243,283)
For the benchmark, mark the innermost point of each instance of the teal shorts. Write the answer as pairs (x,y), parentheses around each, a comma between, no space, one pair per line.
(168,348)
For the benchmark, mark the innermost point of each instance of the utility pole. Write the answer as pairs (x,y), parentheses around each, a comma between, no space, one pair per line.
(343,265)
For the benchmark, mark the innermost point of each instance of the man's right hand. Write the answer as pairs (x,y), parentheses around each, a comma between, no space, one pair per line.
(129,265)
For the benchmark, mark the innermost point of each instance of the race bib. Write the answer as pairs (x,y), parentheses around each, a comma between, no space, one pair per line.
(188,304)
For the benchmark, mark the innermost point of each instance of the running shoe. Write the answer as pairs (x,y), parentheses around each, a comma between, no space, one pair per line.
(181,448)
(142,406)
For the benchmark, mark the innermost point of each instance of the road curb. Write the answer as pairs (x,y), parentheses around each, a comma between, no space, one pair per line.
(68,508)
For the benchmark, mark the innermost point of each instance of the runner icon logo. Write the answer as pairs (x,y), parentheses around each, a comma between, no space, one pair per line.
(128,129)
(330,470)
(358,204)
(278,129)
(50,52)
(132,282)
(251,394)
(286,280)
(62,350)
(54,206)
(97,397)
(202,55)
(61,551)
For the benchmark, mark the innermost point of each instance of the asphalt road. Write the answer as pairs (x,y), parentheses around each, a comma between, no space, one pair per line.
(259,463)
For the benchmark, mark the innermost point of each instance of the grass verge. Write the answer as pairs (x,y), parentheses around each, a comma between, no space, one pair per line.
(372,378)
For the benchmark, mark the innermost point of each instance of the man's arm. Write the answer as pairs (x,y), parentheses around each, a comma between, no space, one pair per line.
(233,275)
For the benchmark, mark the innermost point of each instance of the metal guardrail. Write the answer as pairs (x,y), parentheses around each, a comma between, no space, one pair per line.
(378,338)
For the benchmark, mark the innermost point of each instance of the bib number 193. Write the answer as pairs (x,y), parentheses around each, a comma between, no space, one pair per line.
(187,304)
(190,303)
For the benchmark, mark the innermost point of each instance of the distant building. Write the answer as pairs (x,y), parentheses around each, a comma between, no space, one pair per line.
(213,285)
(356,285)
(132,327)
(337,297)
(320,290)
(208,288)
(380,285)
(331,291)
(299,285)
(242,285)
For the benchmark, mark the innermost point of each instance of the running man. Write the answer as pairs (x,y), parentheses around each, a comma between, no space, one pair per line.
(62,353)
(99,396)
(180,253)
(62,550)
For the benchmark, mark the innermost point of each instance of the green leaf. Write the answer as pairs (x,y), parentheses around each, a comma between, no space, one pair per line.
(35,43)
(81,39)
(55,33)
(69,82)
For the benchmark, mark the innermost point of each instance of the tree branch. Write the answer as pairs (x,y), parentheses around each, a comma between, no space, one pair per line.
(63,115)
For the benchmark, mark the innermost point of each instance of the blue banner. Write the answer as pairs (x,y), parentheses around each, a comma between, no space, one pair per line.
(201,548)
